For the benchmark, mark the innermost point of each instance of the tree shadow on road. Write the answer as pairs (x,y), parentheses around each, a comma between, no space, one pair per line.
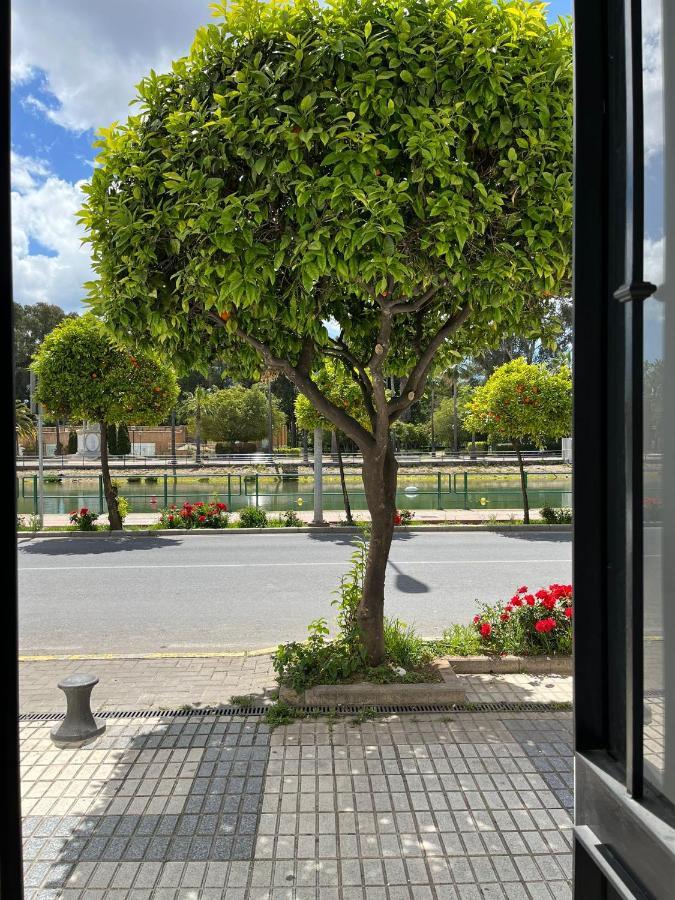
(85,546)
(347,539)
(541,537)
(406,584)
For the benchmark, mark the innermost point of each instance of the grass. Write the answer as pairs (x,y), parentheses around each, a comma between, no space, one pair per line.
(242,700)
(458,640)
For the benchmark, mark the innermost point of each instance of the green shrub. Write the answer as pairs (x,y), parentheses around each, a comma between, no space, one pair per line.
(553,516)
(134,479)
(151,479)
(52,479)
(196,515)
(529,624)
(291,519)
(72,442)
(252,517)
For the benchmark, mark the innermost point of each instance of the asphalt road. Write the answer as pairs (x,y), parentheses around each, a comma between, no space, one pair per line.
(235,592)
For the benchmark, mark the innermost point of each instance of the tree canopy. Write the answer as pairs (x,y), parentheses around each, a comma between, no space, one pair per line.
(523,402)
(238,414)
(307,163)
(83,374)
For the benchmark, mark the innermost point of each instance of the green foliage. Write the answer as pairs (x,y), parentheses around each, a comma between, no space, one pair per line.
(195,515)
(444,417)
(290,519)
(123,506)
(523,402)
(252,517)
(83,519)
(305,160)
(32,324)
(336,383)
(459,640)
(407,516)
(25,424)
(553,516)
(242,700)
(404,647)
(83,374)
(409,436)
(123,441)
(238,414)
(72,442)
(112,440)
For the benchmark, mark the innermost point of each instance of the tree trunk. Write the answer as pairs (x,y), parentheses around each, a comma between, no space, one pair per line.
(109,489)
(343,483)
(198,433)
(455,424)
(57,448)
(379,481)
(333,446)
(523,484)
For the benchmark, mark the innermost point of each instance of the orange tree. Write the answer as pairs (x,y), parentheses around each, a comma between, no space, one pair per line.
(523,402)
(83,374)
(378,182)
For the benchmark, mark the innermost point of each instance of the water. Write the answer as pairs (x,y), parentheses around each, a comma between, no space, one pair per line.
(277,493)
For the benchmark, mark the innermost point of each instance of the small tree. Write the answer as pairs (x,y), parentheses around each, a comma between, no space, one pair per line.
(123,442)
(237,414)
(192,409)
(399,169)
(83,374)
(112,440)
(521,402)
(72,442)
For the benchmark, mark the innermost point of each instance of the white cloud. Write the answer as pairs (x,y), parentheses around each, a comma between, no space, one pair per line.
(653,254)
(44,208)
(94,52)
(652,75)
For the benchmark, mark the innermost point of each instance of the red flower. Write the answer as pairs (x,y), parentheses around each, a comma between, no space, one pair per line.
(516,601)
(397,519)
(568,612)
(529,599)
(522,590)
(170,518)
(84,511)
(542,594)
(73,512)
(505,617)
(221,506)
(544,625)
(202,518)
(476,620)
(485,629)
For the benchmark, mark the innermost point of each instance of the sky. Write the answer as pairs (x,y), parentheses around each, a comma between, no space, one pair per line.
(74,67)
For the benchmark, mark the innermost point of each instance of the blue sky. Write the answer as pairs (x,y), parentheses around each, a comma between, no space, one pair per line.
(74,70)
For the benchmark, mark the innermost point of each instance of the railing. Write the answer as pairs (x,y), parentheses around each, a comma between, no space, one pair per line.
(275,492)
(405,457)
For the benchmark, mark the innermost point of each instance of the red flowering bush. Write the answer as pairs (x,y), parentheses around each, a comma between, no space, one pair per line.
(196,515)
(529,624)
(83,519)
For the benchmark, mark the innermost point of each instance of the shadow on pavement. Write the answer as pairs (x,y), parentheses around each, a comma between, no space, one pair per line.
(406,584)
(346,540)
(84,546)
(541,537)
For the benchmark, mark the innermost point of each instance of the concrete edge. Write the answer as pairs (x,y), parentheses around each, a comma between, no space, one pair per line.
(318,529)
(511,665)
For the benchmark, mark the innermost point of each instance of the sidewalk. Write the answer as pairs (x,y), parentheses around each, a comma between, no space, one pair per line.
(450,516)
(472,806)
(173,682)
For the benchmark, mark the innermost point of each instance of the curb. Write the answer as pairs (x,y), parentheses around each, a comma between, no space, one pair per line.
(511,665)
(334,529)
(195,654)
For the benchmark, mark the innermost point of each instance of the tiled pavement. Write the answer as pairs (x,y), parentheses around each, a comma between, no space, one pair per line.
(173,682)
(465,806)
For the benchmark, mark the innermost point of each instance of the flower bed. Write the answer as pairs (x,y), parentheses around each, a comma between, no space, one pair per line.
(196,515)
(530,624)
(83,519)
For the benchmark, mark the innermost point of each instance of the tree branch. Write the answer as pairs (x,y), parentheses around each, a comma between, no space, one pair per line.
(413,306)
(305,385)
(413,388)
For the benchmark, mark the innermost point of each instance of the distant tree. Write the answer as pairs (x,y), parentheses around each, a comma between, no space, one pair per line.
(112,440)
(72,442)
(83,374)
(32,324)
(444,418)
(24,422)
(523,402)
(191,411)
(411,436)
(123,441)
(237,414)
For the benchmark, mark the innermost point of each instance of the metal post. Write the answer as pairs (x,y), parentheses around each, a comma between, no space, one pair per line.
(38,408)
(318,477)
(166,491)
(270,420)
(466,491)
(439,489)
(433,430)
(257,485)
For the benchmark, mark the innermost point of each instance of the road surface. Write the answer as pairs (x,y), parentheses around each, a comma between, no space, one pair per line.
(234,592)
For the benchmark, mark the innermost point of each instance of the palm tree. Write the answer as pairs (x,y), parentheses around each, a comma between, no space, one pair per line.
(191,408)
(25,425)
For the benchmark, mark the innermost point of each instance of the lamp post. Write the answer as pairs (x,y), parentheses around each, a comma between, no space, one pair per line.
(37,408)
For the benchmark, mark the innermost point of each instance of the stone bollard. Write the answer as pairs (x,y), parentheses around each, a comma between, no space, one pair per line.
(79,726)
